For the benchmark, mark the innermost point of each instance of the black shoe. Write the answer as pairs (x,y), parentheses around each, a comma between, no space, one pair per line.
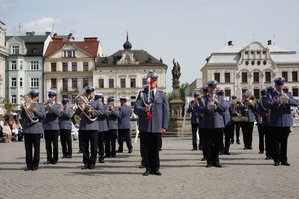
(69,156)
(48,162)
(107,156)
(157,172)
(226,153)
(209,165)
(113,156)
(232,141)
(79,152)
(63,157)
(84,167)
(276,163)
(54,162)
(141,166)
(238,142)
(285,164)
(203,159)
(194,149)
(146,173)
(130,151)
(268,158)
(217,165)
(101,160)
(119,151)
(261,152)
(27,169)
(249,148)
(34,168)
(91,167)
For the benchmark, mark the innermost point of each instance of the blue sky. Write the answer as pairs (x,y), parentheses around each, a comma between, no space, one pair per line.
(188,31)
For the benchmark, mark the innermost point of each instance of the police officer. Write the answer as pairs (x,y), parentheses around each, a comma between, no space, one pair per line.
(212,108)
(66,128)
(51,127)
(193,109)
(103,126)
(247,110)
(280,121)
(153,113)
(124,126)
(89,126)
(236,125)
(110,137)
(32,129)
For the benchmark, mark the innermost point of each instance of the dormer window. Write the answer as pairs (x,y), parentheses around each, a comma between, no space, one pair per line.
(15,49)
(69,53)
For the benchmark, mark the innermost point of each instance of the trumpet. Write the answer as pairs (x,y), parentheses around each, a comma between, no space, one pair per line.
(27,105)
(212,105)
(251,99)
(83,104)
(111,107)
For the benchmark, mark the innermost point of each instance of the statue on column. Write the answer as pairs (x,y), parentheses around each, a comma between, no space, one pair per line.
(176,74)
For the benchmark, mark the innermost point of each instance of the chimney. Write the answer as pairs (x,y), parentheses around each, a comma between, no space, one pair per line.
(230,43)
(269,42)
(30,33)
(47,33)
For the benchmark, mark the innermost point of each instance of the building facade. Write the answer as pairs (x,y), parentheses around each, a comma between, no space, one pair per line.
(253,67)
(69,65)
(24,65)
(124,73)
(3,55)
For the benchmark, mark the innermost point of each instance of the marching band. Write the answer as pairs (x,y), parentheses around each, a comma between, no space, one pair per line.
(213,116)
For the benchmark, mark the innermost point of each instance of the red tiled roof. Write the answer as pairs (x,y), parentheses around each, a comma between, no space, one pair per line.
(89,45)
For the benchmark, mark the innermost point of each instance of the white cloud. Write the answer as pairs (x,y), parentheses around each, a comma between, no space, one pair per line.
(42,25)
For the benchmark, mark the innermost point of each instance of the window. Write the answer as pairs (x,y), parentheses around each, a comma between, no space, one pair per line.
(111,83)
(34,82)
(295,92)
(21,65)
(256,93)
(101,83)
(284,74)
(227,77)
(268,76)
(53,67)
(256,77)
(85,66)
(123,83)
(85,82)
(64,84)
(74,66)
(69,53)
(244,77)
(34,65)
(13,99)
(227,92)
(53,83)
(133,100)
(133,83)
(74,82)
(295,76)
(144,81)
(217,77)
(285,90)
(15,49)
(73,98)
(13,65)
(64,67)
(13,82)
(21,82)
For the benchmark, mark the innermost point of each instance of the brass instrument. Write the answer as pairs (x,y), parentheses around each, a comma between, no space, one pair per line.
(212,105)
(251,99)
(283,98)
(27,105)
(83,104)
(111,107)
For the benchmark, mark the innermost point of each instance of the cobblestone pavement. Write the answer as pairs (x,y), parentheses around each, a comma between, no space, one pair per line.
(245,174)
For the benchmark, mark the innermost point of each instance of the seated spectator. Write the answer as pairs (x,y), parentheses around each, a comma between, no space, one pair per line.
(7,132)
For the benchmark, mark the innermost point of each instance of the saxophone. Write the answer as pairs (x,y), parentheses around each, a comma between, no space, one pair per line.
(27,105)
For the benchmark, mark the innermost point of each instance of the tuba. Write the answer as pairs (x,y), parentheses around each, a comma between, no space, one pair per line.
(26,105)
(83,103)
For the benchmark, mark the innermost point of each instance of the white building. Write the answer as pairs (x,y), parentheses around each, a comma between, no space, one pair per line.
(124,73)
(253,67)
(24,65)
(3,55)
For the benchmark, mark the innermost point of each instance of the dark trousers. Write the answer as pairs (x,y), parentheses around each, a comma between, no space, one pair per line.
(101,143)
(80,141)
(89,137)
(236,126)
(142,150)
(268,141)
(124,134)
(66,142)
(195,128)
(212,142)
(32,142)
(247,128)
(151,150)
(227,131)
(110,139)
(280,143)
(261,132)
(51,138)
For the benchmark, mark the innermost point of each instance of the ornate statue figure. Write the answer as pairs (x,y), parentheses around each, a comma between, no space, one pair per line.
(176,74)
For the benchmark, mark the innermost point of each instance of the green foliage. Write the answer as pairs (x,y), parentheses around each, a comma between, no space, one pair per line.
(8,107)
(183,88)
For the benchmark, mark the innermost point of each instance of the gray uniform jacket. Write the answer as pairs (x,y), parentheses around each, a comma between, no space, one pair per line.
(280,115)
(125,114)
(65,118)
(102,119)
(113,119)
(227,115)
(51,122)
(247,111)
(193,109)
(212,118)
(34,128)
(160,112)
(85,123)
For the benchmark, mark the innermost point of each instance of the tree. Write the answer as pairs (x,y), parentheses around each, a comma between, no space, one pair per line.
(183,88)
